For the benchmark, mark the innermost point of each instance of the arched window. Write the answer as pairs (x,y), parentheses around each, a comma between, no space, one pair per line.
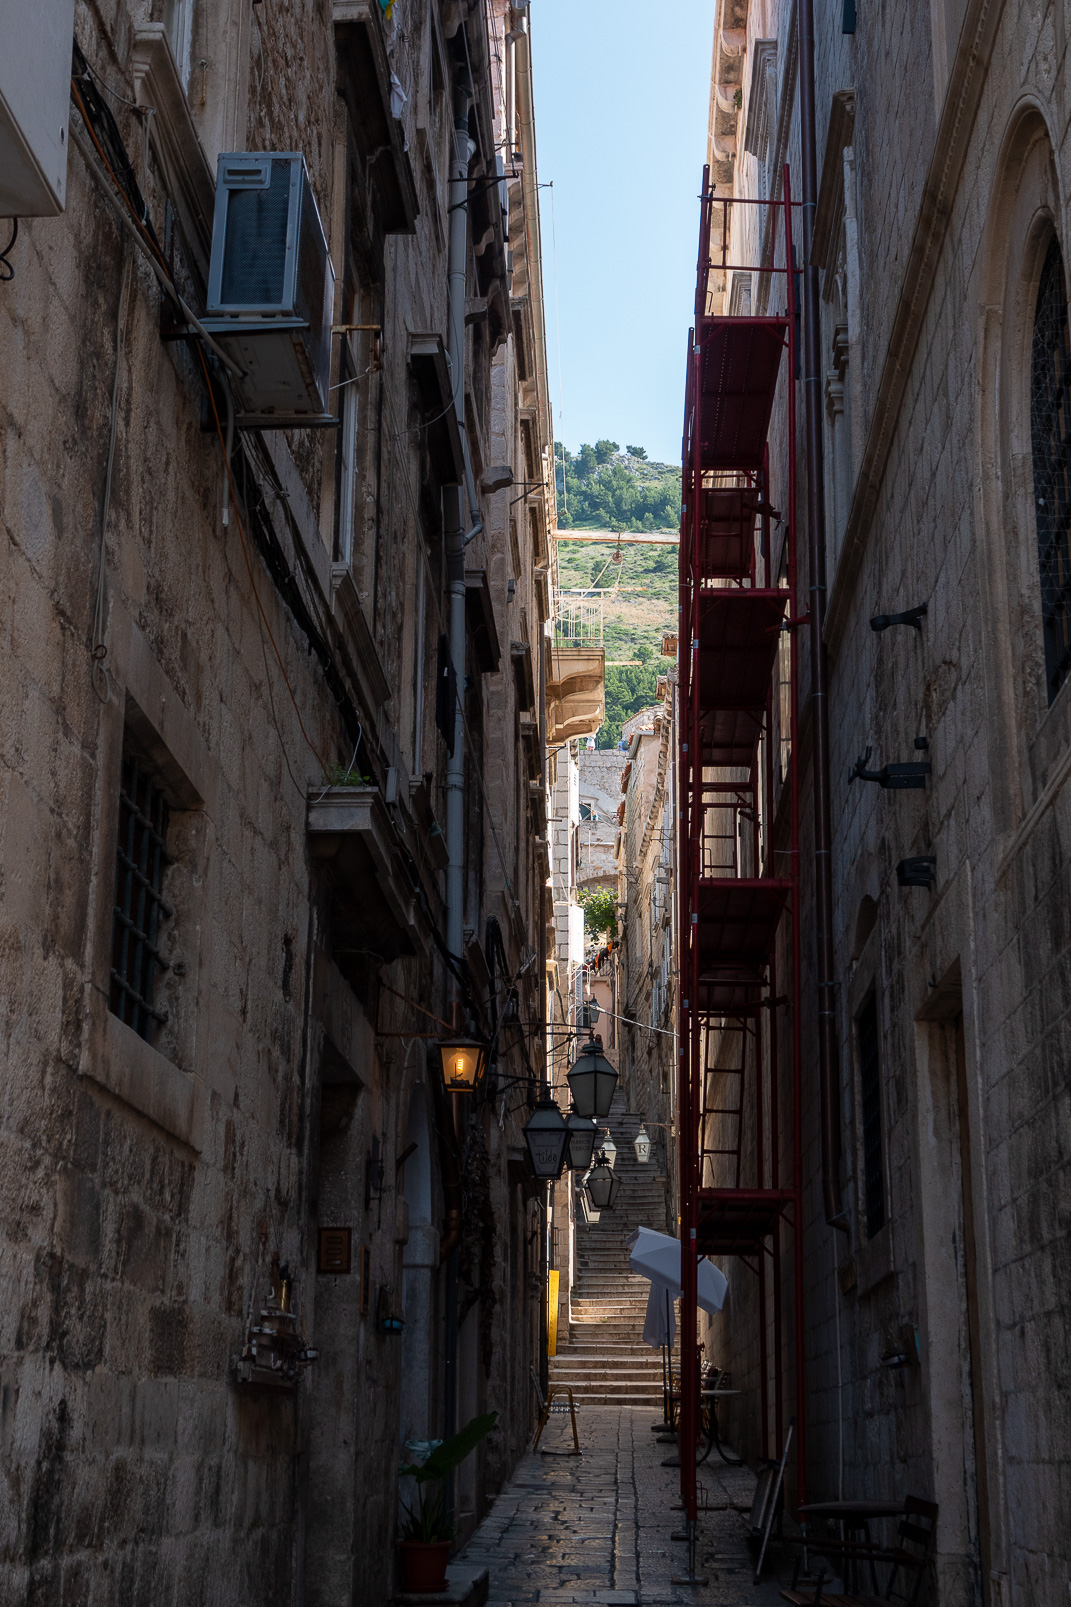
(1050,440)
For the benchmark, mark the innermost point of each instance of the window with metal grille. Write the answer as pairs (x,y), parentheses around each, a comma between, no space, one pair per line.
(1050,440)
(870,1086)
(140,907)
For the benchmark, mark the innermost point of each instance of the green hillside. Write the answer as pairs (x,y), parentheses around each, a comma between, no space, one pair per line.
(603,488)
(642,605)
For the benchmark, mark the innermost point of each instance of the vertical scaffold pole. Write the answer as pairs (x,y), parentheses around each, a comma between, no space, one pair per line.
(797,1042)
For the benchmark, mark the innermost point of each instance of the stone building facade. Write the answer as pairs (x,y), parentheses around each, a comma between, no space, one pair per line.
(228,700)
(646,960)
(600,795)
(935,1328)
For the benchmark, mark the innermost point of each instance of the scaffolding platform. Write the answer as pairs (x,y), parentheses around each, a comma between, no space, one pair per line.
(739,363)
(739,1221)
(727,517)
(738,634)
(738,921)
(739,784)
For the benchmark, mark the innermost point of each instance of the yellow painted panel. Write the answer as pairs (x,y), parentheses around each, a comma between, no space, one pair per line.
(552,1313)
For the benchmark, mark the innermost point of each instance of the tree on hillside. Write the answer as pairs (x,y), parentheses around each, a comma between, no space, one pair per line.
(597,488)
(637,452)
(629,688)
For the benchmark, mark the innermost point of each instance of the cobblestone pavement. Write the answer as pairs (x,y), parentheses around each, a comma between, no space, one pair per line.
(596,1528)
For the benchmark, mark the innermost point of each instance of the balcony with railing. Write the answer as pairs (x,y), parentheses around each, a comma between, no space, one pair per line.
(576,668)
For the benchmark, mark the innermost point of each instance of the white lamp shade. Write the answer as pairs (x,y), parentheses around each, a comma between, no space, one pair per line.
(642,1146)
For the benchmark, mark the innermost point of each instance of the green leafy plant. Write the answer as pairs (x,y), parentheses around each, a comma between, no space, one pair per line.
(427,1520)
(339,776)
(600,910)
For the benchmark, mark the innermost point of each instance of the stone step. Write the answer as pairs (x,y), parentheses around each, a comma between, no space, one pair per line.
(631,1319)
(608,1297)
(609,1279)
(626,1317)
(588,1298)
(570,1372)
(606,1397)
(604,1278)
(605,1310)
(602,1345)
(608,1305)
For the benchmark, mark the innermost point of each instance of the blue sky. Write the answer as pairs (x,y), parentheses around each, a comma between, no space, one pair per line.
(621,115)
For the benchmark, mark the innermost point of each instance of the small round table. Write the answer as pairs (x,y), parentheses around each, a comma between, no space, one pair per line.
(854,1518)
(714,1438)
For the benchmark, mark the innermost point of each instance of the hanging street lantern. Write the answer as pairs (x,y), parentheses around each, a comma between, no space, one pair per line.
(642,1145)
(582,1134)
(602,1186)
(547,1137)
(609,1150)
(592,1081)
(464,1061)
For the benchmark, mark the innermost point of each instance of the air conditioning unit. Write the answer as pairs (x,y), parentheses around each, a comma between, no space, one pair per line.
(35,98)
(271,288)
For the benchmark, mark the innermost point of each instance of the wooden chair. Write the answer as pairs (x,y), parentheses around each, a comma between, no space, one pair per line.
(909,1556)
(552,1405)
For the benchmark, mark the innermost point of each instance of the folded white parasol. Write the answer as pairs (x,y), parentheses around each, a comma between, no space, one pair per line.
(658,1257)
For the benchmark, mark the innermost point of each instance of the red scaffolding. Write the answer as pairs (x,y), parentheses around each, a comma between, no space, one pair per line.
(739,890)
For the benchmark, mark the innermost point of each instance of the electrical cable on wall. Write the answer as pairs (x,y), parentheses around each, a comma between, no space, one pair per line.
(7,271)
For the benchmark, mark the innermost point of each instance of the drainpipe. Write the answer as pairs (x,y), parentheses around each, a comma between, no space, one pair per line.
(828,1069)
(454,529)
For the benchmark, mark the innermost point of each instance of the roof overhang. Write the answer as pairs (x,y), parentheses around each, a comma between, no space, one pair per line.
(480,619)
(364,81)
(351,835)
(431,379)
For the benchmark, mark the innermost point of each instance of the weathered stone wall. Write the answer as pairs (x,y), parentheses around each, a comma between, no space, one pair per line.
(941,198)
(153,1191)
(600,796)
(645,889)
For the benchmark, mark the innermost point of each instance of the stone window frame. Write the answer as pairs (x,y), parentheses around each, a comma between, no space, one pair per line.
(1029,739)
(1054,616)
(164,1080)
(761,126)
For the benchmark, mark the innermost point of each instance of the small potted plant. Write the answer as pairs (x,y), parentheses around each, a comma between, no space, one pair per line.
(425,1537)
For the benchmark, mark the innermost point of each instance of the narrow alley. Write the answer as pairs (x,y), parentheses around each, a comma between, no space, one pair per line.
(535,803)
(596,1528)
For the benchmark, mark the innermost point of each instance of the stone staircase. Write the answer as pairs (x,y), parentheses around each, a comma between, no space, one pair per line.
(603,1357)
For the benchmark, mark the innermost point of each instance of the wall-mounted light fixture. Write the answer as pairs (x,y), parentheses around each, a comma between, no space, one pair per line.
(583,1131)
(602,1186)
(592,1081)
(464,1061)
(547,1136)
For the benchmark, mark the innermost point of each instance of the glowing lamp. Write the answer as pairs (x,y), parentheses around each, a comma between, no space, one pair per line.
(464,1061)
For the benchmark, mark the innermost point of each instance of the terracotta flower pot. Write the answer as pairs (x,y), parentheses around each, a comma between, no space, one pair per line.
(424,1565)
